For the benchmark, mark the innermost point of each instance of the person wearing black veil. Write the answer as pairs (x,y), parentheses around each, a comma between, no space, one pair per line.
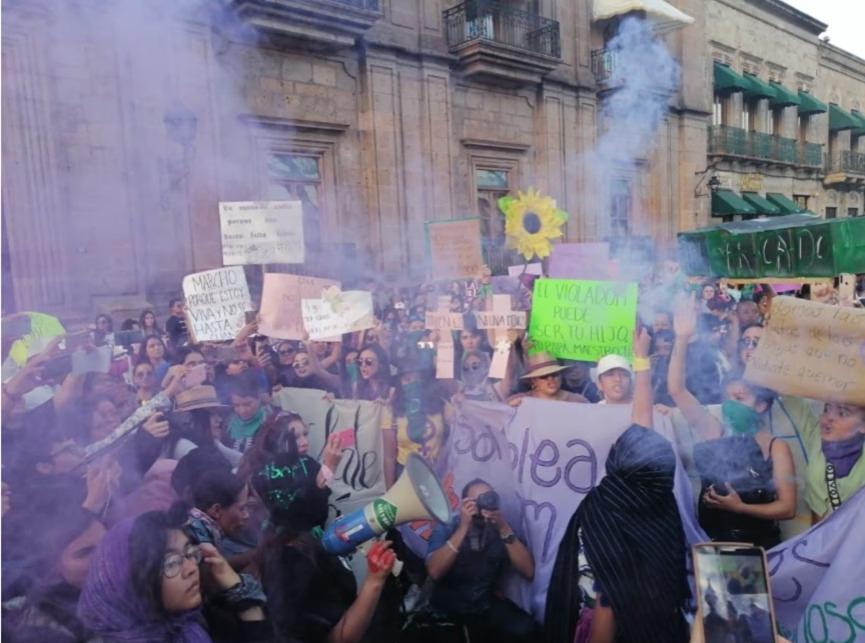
(620,573)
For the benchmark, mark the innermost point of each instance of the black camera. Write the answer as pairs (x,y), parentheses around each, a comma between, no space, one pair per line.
(488,501)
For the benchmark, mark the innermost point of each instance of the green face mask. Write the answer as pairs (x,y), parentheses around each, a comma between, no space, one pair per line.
(742,420)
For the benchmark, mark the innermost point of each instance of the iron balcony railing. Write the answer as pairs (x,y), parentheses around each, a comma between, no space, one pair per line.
(497,22)
(603,65)
(734,141)
(847,162)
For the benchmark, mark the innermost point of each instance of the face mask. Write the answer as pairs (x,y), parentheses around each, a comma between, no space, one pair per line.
(742,420)
(414,410)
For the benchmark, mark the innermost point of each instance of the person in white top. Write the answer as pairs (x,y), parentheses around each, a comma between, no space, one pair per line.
(615,380)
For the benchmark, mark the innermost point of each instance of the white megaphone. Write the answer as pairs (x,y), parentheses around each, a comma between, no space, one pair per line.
(417,495)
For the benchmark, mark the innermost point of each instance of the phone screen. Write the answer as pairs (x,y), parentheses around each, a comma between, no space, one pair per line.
(733,593)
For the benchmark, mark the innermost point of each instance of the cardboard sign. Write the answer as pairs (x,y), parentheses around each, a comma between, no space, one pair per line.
(583,320)
(438,320)
(455,248)
(216,303)
(281,295)
(337,313)
(491,320)
(582,261)
(256,232)
(812,350)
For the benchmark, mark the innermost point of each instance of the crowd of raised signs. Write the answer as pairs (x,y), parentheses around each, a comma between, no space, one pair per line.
(168,497)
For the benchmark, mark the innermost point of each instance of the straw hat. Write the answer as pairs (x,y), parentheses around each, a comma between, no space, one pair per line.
(198,397)
(540,364)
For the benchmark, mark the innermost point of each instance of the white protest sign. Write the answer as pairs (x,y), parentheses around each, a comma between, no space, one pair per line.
(258,232)
(216,303)
(542,467)
(337,313)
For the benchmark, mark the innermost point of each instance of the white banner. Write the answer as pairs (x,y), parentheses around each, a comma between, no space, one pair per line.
(818,578)
(337,313)
(258,232)
(216,303)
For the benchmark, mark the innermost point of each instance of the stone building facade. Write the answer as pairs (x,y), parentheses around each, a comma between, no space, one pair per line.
(122,133)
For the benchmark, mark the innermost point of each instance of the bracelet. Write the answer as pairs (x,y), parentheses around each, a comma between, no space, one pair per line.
(451,546)
(245,594)
(642,364)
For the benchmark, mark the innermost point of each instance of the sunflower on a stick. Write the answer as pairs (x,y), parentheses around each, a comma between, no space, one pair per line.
(531,222)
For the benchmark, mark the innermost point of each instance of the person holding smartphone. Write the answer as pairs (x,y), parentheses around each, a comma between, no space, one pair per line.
(620,573)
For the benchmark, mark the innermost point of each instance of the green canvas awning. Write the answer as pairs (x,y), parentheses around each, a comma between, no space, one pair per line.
(726,80)
(757,88)
(794,246)
(761,205)
(860,119)
(785,205)
(810,105)
(783,96)
(726,203)
(839,119)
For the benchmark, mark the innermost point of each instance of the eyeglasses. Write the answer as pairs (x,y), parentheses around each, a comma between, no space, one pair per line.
(174,562)
(547,376)
(748,342)
(473,366)
(286,351)
(366,361)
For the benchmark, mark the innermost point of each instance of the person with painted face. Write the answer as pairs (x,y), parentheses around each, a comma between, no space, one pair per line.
(148,582)
(466,559)
(748,475)
(313,596)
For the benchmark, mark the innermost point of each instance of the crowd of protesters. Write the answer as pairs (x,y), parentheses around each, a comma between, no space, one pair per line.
(177,531)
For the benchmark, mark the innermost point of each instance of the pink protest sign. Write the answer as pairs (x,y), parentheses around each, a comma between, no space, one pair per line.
(281,312)
(582,261)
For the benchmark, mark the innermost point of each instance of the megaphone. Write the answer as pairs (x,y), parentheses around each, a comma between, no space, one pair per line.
(417,495)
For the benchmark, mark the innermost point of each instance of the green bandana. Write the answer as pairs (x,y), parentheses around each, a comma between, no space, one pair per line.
(240,429)
(742,420)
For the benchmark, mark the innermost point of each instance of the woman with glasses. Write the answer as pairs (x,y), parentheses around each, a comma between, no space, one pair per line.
(544,376)
(373,370)
(307,373)
(145,585)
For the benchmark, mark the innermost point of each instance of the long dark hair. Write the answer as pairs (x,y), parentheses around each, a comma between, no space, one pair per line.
(217,487)
(275,436)
(431,399)
(371,390)
(147,543)
(142,351)
(156,329)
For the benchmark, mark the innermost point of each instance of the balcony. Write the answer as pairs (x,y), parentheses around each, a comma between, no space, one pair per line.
(762,148)
(845,167)
(502,44)
(320,24)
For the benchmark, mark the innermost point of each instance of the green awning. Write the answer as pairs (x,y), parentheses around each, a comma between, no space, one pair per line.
(726,80)
(860,119)
(761,205)
(839,119)
(810,105)
(785,205)
(783,96)
(726,203)
(757,88)
(794,246)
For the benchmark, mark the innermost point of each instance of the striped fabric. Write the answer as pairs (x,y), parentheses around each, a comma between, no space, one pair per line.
(634,543)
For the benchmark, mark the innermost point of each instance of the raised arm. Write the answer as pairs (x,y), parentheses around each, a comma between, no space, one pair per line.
(641,411)
(684,324)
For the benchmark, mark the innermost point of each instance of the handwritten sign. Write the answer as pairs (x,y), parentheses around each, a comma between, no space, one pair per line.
(337,313)
(812,350)
(281,296)
(582,261)
(491,320)
(216,303)
(439,320)
(583,320)
(257,232)
(455,248)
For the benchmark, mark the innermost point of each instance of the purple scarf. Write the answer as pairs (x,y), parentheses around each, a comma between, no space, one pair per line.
(111,607)
(843,454)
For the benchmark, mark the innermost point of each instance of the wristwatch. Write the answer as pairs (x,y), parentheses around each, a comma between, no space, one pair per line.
(509,539)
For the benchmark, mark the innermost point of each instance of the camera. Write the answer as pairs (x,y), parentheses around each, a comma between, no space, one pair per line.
(488,501)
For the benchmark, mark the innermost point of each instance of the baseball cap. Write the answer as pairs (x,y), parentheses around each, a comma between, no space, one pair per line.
(609,362)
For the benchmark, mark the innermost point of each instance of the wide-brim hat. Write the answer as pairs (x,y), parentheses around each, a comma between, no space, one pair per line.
(198,397)
(540,364)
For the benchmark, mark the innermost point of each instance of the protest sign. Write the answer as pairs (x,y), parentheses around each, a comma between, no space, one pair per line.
(582,261)
(281,295)
(216,303)
(816,578)
(812,350)
(95,360)
(455,248)
(583,320)
(542,468)
(492,320)
(360,476)
(337,313)
(256,232)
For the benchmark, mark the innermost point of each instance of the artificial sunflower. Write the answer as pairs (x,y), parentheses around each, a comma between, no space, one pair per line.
(531,222)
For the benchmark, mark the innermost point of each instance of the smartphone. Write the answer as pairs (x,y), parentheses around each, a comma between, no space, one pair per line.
(734,600)
(127,337)
(347,439)
(76,340)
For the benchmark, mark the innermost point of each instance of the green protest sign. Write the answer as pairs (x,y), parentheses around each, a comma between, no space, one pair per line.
(583,320)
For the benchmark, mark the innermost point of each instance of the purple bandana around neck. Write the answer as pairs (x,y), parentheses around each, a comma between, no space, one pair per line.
(843,454)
